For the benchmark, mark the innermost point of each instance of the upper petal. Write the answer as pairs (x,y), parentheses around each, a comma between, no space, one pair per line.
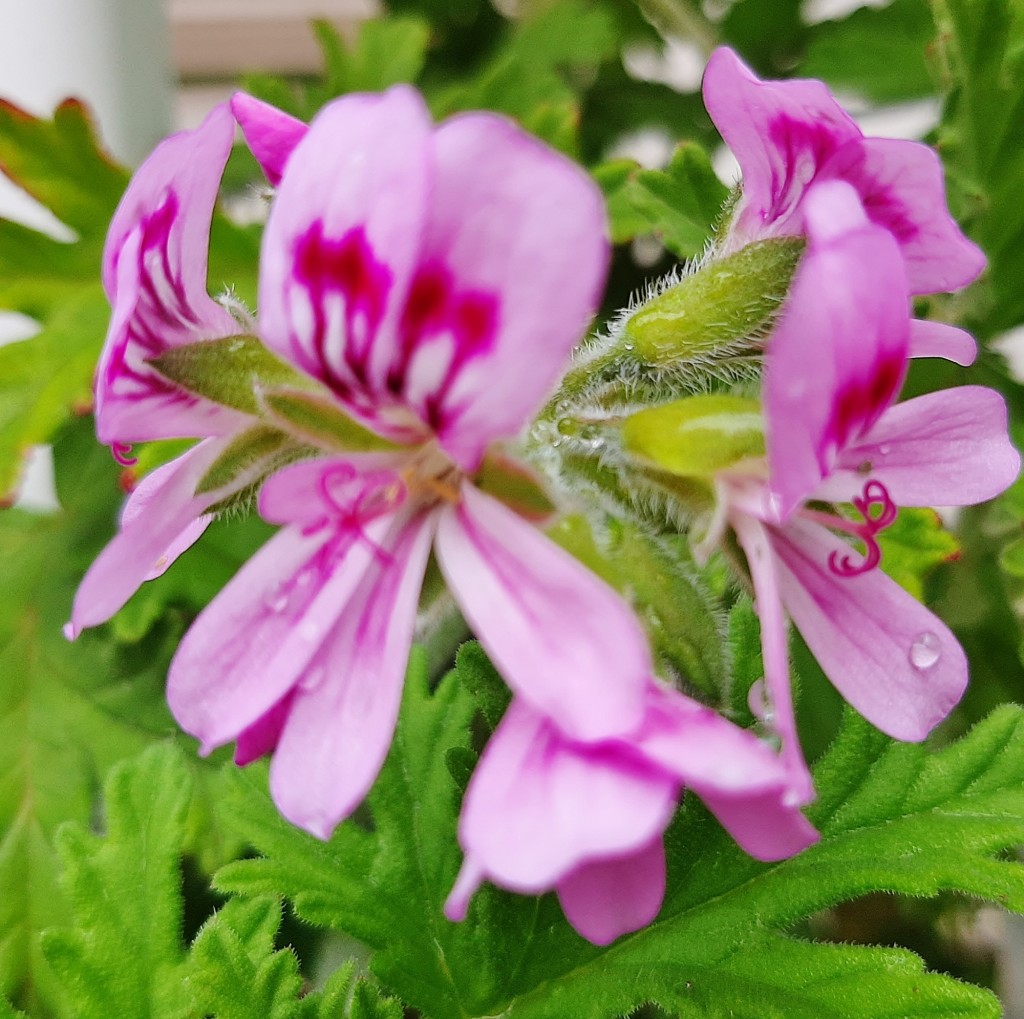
(539,806)
(162,518)
(154,272)
(949,448)
(270,133)
(344,708)
(902,187)
(564,641)
(838,354)
(937,339)
(605,899)
(887,654)
(341,242)
(781,133)
(510,273)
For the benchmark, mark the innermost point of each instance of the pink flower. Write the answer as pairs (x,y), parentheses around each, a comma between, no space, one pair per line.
(544,812)
(833,367)
(790,135)
(154,273)
(434,280)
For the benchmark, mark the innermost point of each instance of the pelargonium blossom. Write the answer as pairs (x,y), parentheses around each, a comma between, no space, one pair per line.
(544,811)
(833,367)
(154,273)
(788,136)
(433,280)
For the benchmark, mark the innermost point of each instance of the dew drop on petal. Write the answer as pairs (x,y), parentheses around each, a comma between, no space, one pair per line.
(925,651)
(312,677)
(277,599)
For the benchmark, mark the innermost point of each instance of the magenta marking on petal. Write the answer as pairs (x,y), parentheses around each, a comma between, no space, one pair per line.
(121,452)
(435,307)
(345,266)
(803,147)
(877,508)
(261,738)
(857,407)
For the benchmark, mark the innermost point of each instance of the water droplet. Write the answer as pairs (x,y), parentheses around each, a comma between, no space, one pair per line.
(885,449)
(925,652)
(567,426)
(277,599)
(308,630)
(759,702)
(312,677)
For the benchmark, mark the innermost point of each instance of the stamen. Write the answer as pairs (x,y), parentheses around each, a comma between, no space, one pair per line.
(121,452)
(875,505)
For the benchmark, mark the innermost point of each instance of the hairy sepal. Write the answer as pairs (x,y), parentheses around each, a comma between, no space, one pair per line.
(250,456)
(317,420)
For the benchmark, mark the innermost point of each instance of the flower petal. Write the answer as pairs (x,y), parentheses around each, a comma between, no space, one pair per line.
(340,246)
(608,898)
(563,639)
(345,705)
(510,274)
(937,339)
(891,658)
(252,642)
(162,518)
(781,133)
(154,272)
(764,825)
(949,448)
(902,186)
(838,354)
(270,133)
(538,806)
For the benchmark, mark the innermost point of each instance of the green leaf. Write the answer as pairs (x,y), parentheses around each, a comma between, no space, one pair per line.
(877,53)
(125,894)
(385,53)
(981,46)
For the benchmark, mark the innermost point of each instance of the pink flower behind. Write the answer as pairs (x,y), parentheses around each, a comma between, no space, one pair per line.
(434,280)
(544,811)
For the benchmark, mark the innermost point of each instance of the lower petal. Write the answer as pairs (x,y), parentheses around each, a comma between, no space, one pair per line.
(763,825)
(162,518)
(608,898)
(563,639)
(345,705)
(887,654)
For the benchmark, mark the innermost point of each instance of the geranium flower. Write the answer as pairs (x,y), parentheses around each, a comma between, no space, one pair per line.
(543,811)
(433,280)
(833,367)
(154,273)
(790,135)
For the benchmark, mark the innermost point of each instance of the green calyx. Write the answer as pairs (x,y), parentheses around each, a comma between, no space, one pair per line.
(696,437)
(319,421)
(228,371)
(728,302)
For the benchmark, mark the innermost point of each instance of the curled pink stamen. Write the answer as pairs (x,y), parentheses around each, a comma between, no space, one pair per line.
(875,505)
(121,452)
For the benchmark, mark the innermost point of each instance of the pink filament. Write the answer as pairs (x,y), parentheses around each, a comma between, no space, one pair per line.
(875,505)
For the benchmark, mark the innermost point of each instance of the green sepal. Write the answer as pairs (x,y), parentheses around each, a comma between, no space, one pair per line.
(227,371)
(246,453)
(514,484)
(698,436)
(730,301)
(319,421)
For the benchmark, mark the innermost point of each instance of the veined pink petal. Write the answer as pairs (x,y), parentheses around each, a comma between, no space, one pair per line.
(538,806)
(563,639)
(509,276)
(891,658)
(902,187)
(162,517)
(837,357)
(937,339)
(345,705)
(780,715)
(763,824)
(781,133)
(605,899)
(154,272)
(270,133)
(949,448)
(340,246)
(260,738)
(251,644)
